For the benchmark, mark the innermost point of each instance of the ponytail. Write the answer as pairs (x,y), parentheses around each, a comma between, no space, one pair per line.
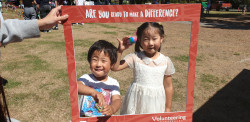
(137,46)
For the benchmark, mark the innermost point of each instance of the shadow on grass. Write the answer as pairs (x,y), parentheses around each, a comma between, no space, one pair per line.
(230,104)
(226,21)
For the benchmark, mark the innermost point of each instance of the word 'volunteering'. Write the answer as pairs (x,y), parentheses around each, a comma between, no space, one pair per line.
(93,13)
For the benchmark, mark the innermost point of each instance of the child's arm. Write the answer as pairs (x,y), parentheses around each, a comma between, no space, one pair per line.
(121,64)
(168,86)
(85,90)
(108,110)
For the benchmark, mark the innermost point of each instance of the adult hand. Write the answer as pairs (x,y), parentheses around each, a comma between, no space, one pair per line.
(53,18)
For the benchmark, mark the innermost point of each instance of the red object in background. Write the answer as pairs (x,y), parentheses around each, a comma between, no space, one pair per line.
(221,5)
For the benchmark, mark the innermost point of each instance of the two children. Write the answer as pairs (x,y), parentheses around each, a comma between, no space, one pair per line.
(152,88)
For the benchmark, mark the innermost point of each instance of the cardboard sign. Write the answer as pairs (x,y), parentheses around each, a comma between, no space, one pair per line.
(128,14)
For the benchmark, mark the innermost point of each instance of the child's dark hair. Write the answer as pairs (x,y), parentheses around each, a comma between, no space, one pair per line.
(142,28)
(107,47)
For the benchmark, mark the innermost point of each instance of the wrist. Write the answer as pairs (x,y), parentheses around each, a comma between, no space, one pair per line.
(94,93)
(41,24)
(112,109)
(119,51)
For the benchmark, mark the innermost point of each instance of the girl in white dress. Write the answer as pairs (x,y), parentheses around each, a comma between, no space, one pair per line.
(152,89)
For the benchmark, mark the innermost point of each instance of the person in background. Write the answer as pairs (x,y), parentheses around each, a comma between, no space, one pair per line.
(44,8)
(165,1)
(208,6)
(131,1)
(54,4)
(155,2)
(120,2)
(107,2)
(29,10)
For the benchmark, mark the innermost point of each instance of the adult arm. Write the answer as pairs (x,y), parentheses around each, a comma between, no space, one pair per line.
(14,30)
(168,86)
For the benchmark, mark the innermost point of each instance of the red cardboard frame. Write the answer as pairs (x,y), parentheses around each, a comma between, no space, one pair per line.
(132,13)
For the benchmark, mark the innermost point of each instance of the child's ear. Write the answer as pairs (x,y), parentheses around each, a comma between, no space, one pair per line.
(112,65)
(162,38)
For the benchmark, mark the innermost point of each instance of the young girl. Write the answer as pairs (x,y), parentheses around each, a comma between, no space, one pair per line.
(152,89)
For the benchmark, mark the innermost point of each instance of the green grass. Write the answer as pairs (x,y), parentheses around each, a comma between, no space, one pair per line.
(45,85)
(112,33)
(19,98)
(83,43)
(54,44)
(83,56)
(62,74)
(183,58)
(199,58)
(236,53)
(210,81)
(58,93)
(177,96)
(12,84)
(77,27)
(223,81)
(82,70)
(36,63)
(127,32)
(123,92)
(178,85)
(10,66)
(227,12)
(106,25)
(208,78)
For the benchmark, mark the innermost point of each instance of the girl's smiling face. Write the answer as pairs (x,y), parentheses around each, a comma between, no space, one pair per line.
(100,65)
(151,41)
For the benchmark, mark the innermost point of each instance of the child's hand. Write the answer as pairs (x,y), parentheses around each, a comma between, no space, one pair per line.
(167,110)
(123,44)
(99,98)
(107,110)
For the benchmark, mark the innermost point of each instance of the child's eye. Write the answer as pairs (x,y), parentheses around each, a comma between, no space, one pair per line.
(94,59)
(155,38)
(145,39)
(104,61)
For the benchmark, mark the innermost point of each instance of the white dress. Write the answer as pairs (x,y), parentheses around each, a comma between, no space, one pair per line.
(146,93)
